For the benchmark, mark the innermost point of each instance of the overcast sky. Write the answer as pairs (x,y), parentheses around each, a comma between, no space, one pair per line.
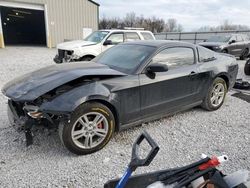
(192,14)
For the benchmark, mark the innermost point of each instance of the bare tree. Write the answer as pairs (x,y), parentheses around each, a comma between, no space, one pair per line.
(103,23)
(171,24)
(226,25)
(179,28)
(130,19)
(153,24)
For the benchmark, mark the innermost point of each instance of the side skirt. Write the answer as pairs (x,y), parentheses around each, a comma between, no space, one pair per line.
(159,116)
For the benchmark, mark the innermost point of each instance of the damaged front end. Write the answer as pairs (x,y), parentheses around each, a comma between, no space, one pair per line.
(65,56)
(48,96)
(24,116)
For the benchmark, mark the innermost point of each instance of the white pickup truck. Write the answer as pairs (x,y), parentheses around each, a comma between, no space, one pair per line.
(96,43)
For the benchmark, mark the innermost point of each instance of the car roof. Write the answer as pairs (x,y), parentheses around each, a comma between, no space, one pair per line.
(125,30)
(160,43)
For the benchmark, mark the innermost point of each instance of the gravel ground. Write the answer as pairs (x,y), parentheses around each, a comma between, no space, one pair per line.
(182,139)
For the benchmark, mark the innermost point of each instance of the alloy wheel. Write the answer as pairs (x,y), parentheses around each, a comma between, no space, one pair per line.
(89,130)
(217,94)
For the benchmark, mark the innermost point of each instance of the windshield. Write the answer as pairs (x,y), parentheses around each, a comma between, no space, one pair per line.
(219,39)
(96,36)
(125,58)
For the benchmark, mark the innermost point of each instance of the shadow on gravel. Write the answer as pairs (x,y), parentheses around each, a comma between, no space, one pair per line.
(242,96)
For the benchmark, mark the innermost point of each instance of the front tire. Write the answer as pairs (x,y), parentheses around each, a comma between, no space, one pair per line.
(216,95)
(90,128)
(87,58)
(224,51)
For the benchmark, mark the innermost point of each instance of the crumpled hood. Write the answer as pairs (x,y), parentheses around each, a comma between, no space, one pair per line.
(212,44)
(32,85)
(74,44)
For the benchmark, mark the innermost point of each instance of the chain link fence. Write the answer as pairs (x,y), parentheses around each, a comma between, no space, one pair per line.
(195,37)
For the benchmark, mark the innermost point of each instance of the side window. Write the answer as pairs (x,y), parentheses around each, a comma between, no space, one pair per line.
(175,57)
(245,37)
(205,54)
(116,38)
(233,38)
(147,36)
(132,36)
(239,38)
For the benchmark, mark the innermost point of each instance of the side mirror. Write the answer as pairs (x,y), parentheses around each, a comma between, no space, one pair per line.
(205,40)
(157,67)
(107,42)
(232,41)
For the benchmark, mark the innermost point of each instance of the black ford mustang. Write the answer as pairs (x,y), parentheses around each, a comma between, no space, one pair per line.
(129,84)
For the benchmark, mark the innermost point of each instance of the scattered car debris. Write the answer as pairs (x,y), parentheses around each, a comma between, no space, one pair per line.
(240,84)
(243,96)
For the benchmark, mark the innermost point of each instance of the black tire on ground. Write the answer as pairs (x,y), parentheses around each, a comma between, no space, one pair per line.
(66,129)
(247,67)
(207,102)
(87,58)
(244,54)
(224,51)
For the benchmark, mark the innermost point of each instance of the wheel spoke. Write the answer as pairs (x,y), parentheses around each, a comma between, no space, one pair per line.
(98,119)
(85,117)
(88,141)
(77,134)
(221,88)
(213,99)
(221,94)
(101,132)
(216,101)
(82,122)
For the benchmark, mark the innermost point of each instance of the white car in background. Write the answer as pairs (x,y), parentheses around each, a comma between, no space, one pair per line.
(96,43)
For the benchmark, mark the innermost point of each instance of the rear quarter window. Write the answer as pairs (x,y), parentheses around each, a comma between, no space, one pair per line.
(132,36)
(205,54)
(147,36)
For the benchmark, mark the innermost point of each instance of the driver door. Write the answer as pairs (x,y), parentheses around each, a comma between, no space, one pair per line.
(173,89)
(115,39)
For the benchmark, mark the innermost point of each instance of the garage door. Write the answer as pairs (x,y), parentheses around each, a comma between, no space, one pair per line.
(23,26)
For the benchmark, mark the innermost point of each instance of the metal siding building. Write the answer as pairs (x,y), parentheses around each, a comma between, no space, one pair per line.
(64,19)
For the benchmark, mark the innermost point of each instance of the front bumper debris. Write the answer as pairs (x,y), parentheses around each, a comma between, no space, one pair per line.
(23,117)
(57,59)
(21,123)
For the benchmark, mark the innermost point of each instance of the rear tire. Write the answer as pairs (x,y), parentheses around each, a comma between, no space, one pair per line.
(216,95)
(90,128)
(247,68)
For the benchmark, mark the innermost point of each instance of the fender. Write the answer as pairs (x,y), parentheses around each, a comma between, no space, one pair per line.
(225,76)
(69,101)
(93,50)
